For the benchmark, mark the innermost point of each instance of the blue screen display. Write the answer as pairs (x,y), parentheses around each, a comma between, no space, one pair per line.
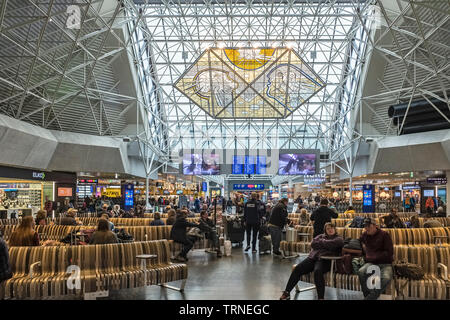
(249,165)
(367,198)
(238,165)
(129,196)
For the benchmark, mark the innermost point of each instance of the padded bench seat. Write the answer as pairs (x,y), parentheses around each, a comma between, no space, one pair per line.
(102,267)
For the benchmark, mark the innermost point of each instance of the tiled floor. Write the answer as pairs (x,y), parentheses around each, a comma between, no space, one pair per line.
(241,276)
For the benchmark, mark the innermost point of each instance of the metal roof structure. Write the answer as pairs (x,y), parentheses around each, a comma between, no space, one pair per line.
(107,67)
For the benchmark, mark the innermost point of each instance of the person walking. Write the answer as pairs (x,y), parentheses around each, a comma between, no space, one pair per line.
(252,221)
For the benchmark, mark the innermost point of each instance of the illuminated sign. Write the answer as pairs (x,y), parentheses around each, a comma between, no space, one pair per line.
(437,180)
(248,186)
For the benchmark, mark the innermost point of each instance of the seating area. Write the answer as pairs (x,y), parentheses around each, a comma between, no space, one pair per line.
(41,272)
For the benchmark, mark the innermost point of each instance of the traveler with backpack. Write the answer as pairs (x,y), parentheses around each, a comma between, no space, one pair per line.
(329,243)
(378,250)
(321,216)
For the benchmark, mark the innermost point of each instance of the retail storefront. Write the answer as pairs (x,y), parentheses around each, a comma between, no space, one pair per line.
(24,191)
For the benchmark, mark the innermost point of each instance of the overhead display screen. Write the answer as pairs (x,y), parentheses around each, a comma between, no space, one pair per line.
(248,186)
(249,165)
(297,163)
(201,164)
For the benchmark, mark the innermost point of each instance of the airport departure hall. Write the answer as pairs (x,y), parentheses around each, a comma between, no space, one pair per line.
(224,150)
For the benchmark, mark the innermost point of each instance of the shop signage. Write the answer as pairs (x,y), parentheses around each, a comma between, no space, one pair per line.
(248,186)
(87,181)
(39,175)
(437,181)
(108,181)
(27,174)
(111,192)
(410,187)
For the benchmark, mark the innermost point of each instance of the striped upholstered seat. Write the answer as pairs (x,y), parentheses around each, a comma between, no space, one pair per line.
(433,286)
(110,266)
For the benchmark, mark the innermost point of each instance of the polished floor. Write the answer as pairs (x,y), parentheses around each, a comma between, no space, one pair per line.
(241,276)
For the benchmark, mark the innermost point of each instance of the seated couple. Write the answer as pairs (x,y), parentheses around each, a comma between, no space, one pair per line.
(377,250)
(179,233)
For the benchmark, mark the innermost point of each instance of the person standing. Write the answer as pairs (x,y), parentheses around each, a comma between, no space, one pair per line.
(321,216)
(278,219)
(378,251)
(252,221)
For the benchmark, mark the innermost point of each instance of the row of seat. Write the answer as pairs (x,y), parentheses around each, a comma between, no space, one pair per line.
(343,222)
(102,267)
(139,233)
(435,285)
(359,214)
(411,237)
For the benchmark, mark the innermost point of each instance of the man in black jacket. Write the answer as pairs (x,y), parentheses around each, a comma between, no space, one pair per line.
(5,268)
(278,219)
(252,220)
(321,216)
(178,234)
(207,225)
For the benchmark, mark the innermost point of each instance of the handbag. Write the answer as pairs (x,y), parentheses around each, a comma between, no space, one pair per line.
(408,270)
(194,232)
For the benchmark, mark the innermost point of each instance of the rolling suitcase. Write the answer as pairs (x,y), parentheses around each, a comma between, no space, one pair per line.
(265,245)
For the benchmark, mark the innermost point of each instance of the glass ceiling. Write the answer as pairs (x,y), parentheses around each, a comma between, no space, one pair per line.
(329,37)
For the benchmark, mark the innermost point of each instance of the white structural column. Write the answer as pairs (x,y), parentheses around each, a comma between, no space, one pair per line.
(447,194)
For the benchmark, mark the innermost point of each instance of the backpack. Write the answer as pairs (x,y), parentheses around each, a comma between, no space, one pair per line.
(357,222)
(408,270)
(123,236)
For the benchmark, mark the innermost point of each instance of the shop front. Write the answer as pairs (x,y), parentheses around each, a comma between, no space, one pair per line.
(24,191)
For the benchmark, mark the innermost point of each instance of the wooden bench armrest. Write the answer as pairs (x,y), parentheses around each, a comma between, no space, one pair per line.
(442,267)
(33,265)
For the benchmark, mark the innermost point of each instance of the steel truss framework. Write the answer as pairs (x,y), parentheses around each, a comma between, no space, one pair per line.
(63,79)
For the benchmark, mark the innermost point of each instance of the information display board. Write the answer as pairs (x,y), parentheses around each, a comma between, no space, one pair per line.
(129,196)
(368,198)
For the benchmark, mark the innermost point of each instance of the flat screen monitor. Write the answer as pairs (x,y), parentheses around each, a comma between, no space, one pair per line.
(201,164)
(428,193)
(397,194)
(64,192)
(297,163)
(249,165)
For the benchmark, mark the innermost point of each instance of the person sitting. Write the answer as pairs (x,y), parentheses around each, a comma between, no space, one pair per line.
(41,218)
(110,224)
(378,250)
(69,219)
(157,219)
(432,224)
(414,221)
(24,235)
(327,244)
(440,212)
(167,208)
(392,220)
(207,225)
(179,234)
(171,217)
(103,235)
(116,211)
(5,266)
(304,217)
(350,209)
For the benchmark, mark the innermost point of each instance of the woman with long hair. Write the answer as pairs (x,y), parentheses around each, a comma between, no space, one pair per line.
(24,235)
(327,244)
